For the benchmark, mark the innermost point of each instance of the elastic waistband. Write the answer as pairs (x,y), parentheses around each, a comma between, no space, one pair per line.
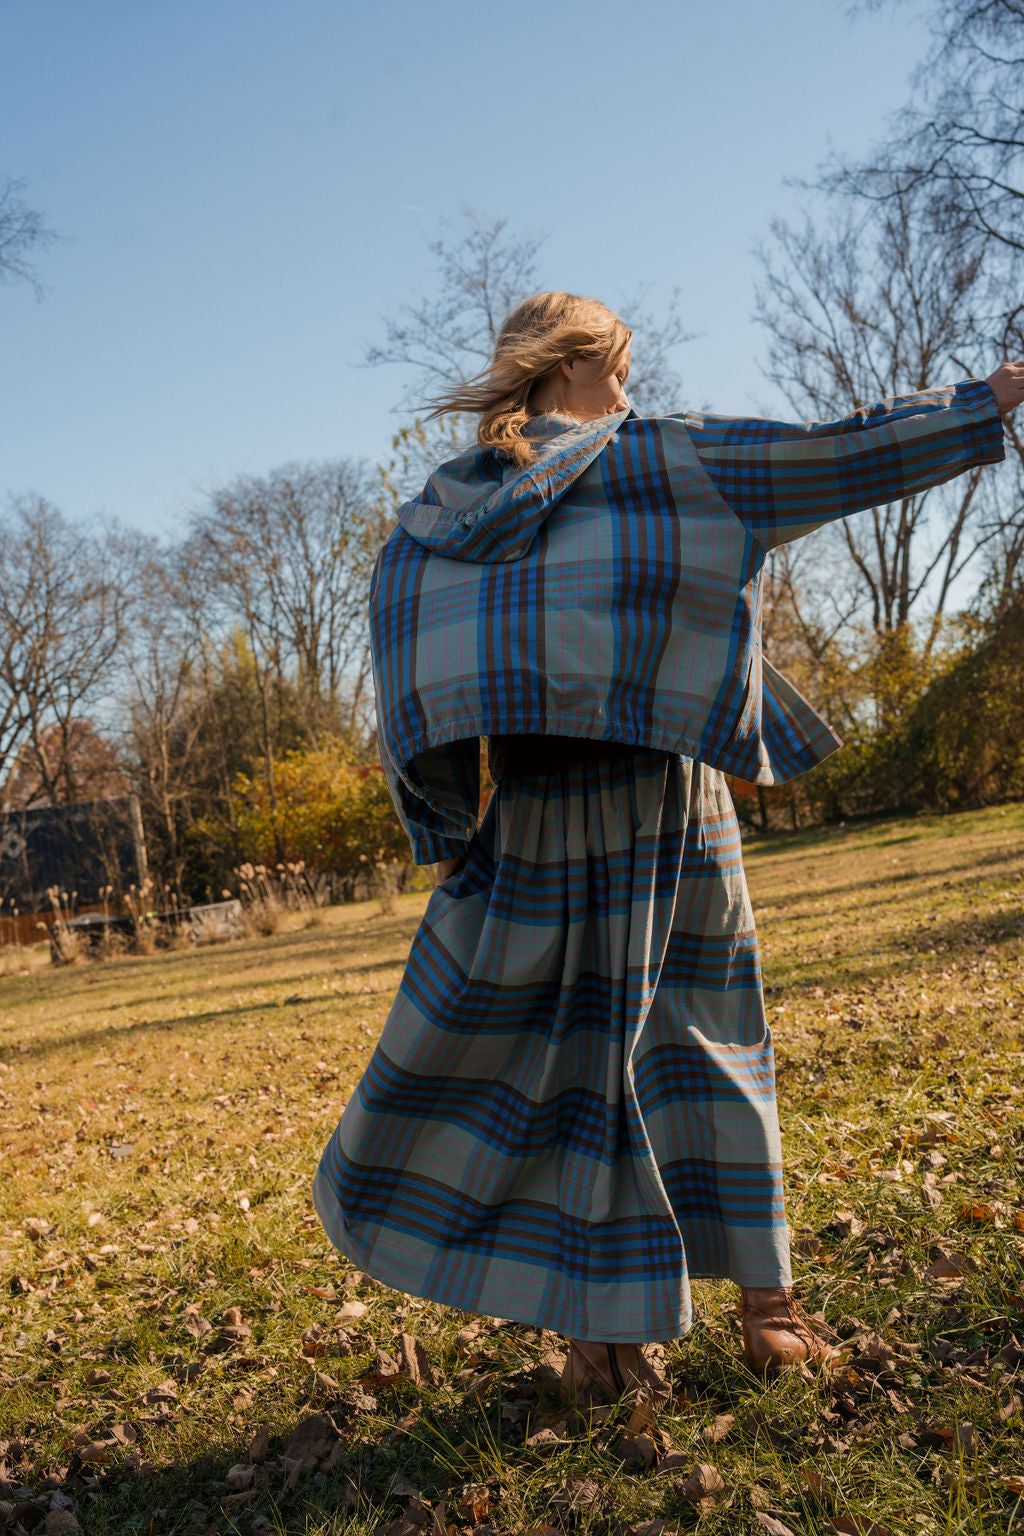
(509,756)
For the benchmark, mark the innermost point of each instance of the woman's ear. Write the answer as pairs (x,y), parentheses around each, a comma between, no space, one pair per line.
(566,367)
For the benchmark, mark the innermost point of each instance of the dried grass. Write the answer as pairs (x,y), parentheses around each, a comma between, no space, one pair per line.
(181,1193)
(22,959)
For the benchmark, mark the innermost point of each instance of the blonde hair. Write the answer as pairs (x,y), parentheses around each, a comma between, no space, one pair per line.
(540,333)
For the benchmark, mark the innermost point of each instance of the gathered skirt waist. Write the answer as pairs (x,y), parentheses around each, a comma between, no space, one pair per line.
(512,756)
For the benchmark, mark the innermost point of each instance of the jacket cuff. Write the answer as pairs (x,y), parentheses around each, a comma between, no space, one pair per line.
(431,847)
(977,398)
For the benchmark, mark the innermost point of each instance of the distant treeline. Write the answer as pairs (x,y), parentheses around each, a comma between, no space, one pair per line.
(225,680)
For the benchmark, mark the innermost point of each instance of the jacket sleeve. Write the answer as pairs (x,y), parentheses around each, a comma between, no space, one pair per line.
(437,801)
(782,480)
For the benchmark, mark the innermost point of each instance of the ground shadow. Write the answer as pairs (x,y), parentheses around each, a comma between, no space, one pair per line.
(972,873)
(840,970)
(355,1455)
(139,1029)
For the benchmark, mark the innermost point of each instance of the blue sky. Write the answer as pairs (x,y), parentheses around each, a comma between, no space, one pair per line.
(247,186)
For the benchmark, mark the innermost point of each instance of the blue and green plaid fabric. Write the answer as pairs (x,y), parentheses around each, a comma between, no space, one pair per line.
(570,1112)
(613,589)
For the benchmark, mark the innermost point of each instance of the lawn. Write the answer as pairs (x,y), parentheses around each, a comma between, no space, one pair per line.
(182,1351)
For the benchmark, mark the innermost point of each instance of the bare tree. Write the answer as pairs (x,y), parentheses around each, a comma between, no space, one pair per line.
(960,142)
(65,599)
(166,703)
(285,559)
(23,233)
(872,307)
(482,269)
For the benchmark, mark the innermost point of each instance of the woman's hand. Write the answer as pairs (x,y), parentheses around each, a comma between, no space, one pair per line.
(1007,384)
(445,868)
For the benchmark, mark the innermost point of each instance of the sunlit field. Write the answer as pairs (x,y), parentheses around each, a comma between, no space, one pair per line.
(182,1351)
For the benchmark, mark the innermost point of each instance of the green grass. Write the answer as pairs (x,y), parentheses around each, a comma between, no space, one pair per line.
(162,1118)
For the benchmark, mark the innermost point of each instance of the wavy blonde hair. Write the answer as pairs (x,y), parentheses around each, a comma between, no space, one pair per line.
(540,333)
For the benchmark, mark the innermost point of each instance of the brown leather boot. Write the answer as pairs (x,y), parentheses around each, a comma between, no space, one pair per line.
(777,1331)
(602,1373)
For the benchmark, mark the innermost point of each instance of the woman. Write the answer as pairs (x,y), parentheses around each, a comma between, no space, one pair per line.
(571,1109)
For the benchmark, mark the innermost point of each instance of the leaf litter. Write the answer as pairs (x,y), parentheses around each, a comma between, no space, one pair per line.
(139,1308)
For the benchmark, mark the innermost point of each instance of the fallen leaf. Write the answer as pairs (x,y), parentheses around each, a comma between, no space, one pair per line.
(259,1445)
(641,1419)
(349,1311)
(414,1359)
(947,1266)
(1012,1353)
(164,1392)
(25,1515)
(704,1486)
(94,1452)
(873,1347)
(239,1476)
(965,1439)
(191,1370)
(983,1212)
(857,1525)
(639,1448)
(474,1502)
(577,1493)
(312,1439)
(233,1335)
(843,1224)
(959,1437)
(818,1487)
(61,1522)
(544,1440)
(773,1526)
(313,1343)
(719,1429)
(320,1385)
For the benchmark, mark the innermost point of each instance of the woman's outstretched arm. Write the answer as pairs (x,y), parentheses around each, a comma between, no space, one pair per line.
(783,479)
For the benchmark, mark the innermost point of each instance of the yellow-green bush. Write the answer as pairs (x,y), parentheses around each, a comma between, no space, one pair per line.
(924,731)
(327,810)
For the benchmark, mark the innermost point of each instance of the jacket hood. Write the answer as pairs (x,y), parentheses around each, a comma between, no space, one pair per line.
(477,507)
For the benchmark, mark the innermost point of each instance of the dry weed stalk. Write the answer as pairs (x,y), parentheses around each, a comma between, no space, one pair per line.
(267,894)
(138,902)
(384,881)
(66,947)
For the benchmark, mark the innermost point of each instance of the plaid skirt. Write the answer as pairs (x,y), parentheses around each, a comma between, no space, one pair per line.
(571,1109)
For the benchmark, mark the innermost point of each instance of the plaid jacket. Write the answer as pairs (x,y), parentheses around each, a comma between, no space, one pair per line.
(613,589)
